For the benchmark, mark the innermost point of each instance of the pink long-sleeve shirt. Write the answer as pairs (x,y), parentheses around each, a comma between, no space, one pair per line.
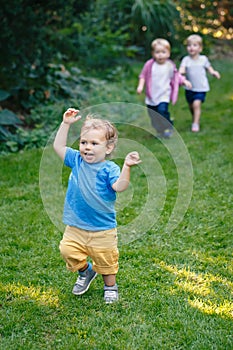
(176,80)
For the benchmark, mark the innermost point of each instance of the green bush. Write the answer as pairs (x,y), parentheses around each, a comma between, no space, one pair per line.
(59,88)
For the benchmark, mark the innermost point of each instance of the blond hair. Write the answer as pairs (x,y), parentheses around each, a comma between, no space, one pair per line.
(91,122)
(162,42)
(194,38)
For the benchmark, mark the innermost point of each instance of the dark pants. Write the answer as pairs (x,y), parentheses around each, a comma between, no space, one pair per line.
(160,117)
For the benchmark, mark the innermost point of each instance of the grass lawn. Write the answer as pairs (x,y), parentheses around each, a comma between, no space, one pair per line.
(176,287)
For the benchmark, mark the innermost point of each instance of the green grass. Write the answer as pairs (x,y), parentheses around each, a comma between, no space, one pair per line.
(175,287)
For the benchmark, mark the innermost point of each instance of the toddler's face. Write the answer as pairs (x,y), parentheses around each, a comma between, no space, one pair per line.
(194,48)
(160,54)
(93,146)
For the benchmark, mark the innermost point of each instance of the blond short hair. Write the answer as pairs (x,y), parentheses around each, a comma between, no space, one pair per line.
(162,42)
(195,38)
(91,122)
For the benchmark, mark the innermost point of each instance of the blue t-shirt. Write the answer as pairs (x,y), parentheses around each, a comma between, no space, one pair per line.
(90,199)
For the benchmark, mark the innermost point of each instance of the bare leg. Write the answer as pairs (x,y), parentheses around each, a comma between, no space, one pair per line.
(196,111)
(109,280)
(191,109)
(110,289)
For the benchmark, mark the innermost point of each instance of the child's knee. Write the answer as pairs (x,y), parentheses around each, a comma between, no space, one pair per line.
(64,249)
(74,258)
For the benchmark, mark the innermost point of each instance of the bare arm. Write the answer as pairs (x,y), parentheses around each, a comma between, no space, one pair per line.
(59,145)
(123,181)
(213,72)
(182,70)
(183,80)
(187,84)
(141,84)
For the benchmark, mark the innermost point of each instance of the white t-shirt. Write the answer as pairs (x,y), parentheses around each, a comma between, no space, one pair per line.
(162,75)
(196,72)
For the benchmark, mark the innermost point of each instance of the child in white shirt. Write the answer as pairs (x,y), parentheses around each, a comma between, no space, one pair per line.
(194,66)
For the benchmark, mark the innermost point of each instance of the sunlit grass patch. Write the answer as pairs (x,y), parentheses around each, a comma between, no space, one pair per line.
(210,294)
(19,292)
(224,309)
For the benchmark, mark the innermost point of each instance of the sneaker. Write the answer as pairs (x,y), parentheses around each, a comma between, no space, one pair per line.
(110,294)
(195,127)
(167,133)
(83,282)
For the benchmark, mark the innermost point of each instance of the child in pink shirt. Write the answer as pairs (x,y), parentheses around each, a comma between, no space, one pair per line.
(162,81)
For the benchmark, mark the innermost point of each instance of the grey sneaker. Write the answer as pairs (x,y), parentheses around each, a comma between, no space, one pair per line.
(110,294)
(83,282)
(167,133)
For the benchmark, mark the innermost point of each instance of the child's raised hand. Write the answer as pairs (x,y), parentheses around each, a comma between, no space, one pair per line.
(70,116)
(132,158)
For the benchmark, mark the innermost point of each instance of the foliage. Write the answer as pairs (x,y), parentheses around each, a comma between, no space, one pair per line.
(99,45)
(32,38)
(112,30)
(64,87)
(212,18)
(152,19)
(30,34)
(101,32)
(9,124)
(175,289)
(61,84)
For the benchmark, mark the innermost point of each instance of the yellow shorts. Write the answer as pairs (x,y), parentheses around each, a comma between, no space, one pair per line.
(101,246)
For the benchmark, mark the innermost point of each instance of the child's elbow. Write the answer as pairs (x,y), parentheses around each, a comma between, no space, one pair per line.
(119,190)
(120,187)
